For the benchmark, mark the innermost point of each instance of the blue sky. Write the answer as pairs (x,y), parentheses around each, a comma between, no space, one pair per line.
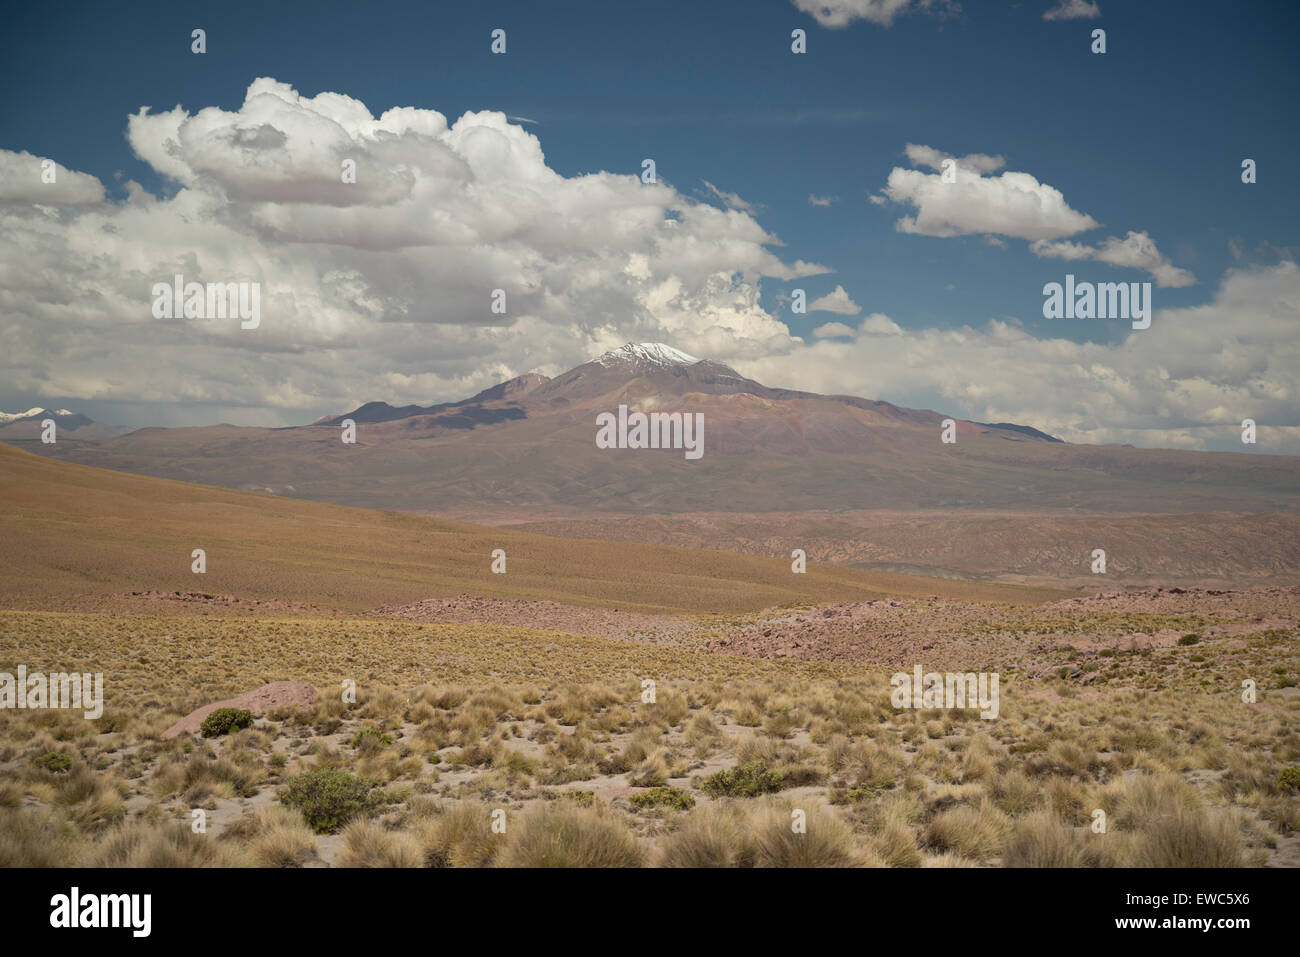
(1148,137)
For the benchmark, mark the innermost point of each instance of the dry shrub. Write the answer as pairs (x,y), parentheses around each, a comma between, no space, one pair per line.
(561,834)
(367,844)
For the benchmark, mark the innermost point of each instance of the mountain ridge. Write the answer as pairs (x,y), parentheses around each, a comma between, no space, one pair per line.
(528,447)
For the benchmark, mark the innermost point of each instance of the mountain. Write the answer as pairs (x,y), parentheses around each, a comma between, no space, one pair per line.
(512,389)
(64,418)
(27,425)
(526,450)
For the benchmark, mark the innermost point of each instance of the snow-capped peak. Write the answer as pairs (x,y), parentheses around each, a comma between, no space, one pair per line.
(7,417)
(655,353)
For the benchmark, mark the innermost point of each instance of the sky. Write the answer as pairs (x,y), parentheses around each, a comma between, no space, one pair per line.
(775,171)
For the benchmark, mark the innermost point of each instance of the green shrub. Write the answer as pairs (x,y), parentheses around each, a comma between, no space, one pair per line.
(1189,639)
(225,720)
(668,797)
(744,780)
(55,762)
(1288,779)
(328,798)
(370,734)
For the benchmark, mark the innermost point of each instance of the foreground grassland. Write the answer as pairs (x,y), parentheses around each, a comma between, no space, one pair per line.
(455,722)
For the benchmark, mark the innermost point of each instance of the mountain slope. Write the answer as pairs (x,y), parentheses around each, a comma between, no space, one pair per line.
(70,533)
(529,447)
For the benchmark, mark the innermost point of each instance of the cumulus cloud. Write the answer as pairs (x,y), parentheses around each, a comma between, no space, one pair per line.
(379,288)
(24,181)
(1012,204)
(815,200)
(876,324)
(919,155)
(832,329)
(836,301)
(1134,251)
(837,14)
(1187,381)
(1073,10)
(732,200)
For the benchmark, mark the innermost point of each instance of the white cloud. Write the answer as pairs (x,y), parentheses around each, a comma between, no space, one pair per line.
(919,155)
(1073,10)
(814,200)
(1012,204)
(831,329)
(380,290)
(1189,379)
(879,324)
(23,183)
(1134,251)
(374,290)
(732,200)
(836,14)
(836,301)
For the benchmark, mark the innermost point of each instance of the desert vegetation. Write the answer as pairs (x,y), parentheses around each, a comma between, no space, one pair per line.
(476,746)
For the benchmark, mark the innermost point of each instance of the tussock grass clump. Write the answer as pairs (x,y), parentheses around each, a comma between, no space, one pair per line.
(366,844)
(713,836)
(1014,793)
(1040,839)
(1188,838)
(824,841)
(1137,801)
(370,739)
(139,843)
(459,835)
(276,837)
(31,837)
(560,834)
(974,832)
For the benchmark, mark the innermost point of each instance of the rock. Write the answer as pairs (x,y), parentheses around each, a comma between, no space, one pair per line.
(259,701)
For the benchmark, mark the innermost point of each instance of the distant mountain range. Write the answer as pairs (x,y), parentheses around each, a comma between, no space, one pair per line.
(27,425)
(65,418)
(526,447)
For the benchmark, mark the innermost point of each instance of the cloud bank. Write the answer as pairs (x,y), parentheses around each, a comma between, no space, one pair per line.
(382,288)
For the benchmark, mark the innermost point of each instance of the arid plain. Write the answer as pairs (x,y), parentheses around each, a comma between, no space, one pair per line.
(606,703)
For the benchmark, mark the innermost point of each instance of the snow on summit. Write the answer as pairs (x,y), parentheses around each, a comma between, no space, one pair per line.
(7,417)
(656,353)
